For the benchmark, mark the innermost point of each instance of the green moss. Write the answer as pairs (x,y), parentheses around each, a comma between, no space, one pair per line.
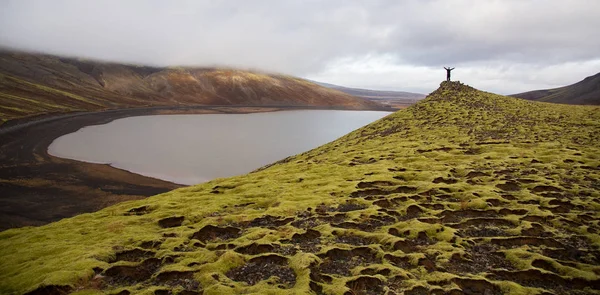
(460,156)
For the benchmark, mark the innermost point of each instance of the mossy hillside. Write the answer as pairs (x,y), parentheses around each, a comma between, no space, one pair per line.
(466,192)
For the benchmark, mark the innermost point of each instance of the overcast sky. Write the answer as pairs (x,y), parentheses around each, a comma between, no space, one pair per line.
(503,46)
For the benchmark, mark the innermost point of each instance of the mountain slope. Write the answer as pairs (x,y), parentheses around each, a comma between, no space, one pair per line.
(390,98)
(33,84)
(586,91)
(466,192)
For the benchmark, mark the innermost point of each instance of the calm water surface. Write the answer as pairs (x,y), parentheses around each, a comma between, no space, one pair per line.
(191,149)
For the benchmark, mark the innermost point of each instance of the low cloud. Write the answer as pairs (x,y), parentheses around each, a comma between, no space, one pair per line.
(502,46)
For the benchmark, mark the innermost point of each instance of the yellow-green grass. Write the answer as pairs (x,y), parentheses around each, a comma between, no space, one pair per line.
(419,200)
(35,102)
(21,98)
(51,90)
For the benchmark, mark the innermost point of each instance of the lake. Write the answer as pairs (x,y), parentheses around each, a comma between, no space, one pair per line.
(190,149)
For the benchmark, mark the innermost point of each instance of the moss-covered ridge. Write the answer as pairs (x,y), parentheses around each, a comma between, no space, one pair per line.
(466,192)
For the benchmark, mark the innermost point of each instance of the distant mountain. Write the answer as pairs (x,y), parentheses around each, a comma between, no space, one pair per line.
(586,91)
(33,84)
(391,98)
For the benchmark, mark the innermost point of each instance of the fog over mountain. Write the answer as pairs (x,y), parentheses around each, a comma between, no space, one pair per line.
(499,46)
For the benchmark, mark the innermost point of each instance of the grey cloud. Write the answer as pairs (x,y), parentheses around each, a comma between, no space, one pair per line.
(308,38)
(517,31)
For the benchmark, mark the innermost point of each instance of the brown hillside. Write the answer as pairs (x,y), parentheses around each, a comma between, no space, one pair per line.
(586,91)
(33,84)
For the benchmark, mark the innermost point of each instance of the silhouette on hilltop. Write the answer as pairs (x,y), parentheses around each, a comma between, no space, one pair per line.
(448,70)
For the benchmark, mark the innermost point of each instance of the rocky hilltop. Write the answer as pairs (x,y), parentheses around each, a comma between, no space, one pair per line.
(34,84)
(465,192)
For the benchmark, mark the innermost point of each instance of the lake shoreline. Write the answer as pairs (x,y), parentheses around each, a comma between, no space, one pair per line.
(37,188)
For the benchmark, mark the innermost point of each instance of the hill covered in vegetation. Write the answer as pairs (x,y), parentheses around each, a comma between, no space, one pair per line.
(586,91)
(466,192)
(34,84)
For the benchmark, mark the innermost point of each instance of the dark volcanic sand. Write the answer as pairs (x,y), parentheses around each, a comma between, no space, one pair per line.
(37,188)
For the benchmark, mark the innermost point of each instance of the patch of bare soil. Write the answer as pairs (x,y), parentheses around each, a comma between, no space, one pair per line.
(347,207)
(478,259)
(133,255)
(509,186)
(484,221)
(514,242)
(373,184)
(382,192)
(353,239)
(445,180)
(178,279)
(341,261)
(125,275)
(211,232)
(450,216)
(255,249)
(474,174)
(482,231)
(365,285)
(574,255)
(477,287)
(262,268)
(399,261)
(414,245)
(269,221)
(309,241)
(51,290)
(171,221)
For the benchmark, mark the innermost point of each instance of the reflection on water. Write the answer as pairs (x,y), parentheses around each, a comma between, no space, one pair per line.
(190,149)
